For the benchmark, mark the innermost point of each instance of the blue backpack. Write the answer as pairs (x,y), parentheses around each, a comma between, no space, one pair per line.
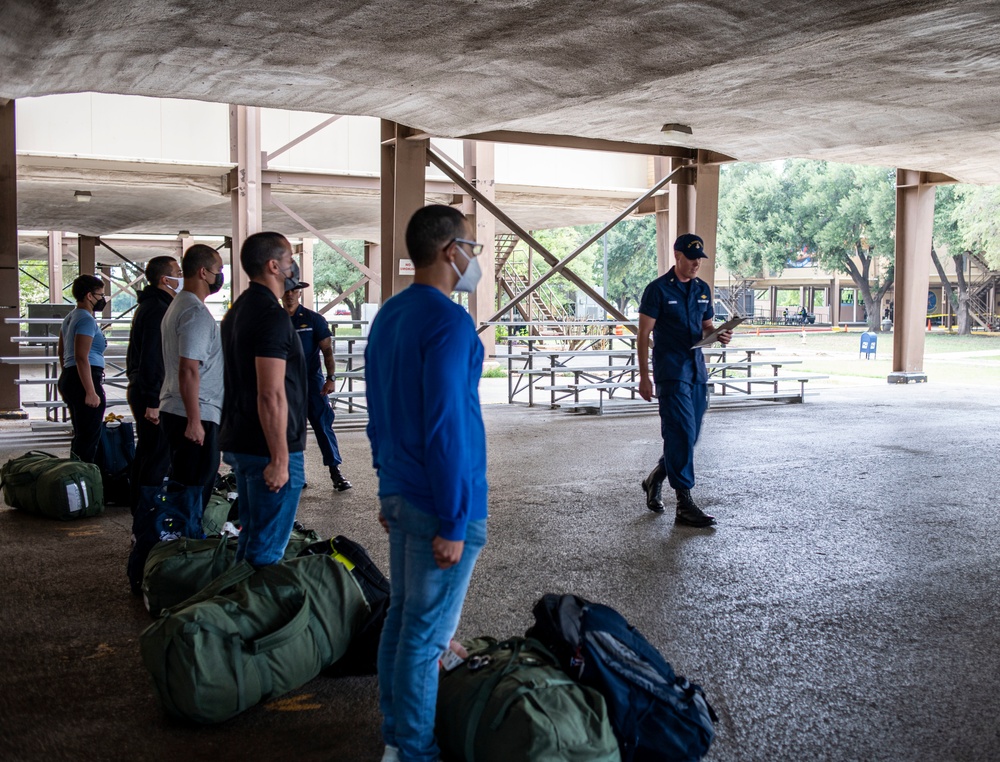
(656,714)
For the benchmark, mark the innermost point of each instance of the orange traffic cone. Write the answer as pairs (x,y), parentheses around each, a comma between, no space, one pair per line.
(928,324)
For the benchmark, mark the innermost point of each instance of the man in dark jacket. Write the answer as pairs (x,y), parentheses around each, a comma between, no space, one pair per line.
(144,368)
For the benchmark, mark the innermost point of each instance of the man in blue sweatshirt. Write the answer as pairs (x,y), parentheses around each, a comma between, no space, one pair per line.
(423,363)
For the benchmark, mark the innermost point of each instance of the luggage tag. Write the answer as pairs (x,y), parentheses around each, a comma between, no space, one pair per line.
(449,660)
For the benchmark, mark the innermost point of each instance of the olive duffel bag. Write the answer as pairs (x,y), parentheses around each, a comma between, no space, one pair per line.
(177,569)
(59,488)
(252,635)
(510,702)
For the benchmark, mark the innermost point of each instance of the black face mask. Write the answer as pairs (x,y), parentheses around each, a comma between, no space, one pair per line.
(215,286)
(100,304)
(292,280)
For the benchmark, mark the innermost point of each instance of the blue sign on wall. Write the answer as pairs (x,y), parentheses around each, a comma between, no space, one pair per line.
(931,302)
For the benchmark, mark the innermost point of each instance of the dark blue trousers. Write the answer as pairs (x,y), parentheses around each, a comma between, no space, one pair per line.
(321,419)
(682,407)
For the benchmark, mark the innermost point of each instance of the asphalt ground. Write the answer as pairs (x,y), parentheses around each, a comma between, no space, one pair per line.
(843,609)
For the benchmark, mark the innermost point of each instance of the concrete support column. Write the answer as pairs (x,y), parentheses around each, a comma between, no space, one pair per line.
(834,301)
(403,177)
(307,271)
(774,303)
(373,261)
(10,398)
(694,208)
(247,193)
(479,170)
(87,254)
(55,267)
(914,226)
(105,271)
(661,208)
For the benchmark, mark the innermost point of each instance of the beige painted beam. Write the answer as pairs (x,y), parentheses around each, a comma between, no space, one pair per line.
(404,165)
(373,261)
(480,171)
(587,144)
(87,254)
(10,399)
(247,193)
(307,271)
(55,267)
(914,226)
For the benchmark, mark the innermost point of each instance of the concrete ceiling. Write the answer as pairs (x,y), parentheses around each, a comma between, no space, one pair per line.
(914,83)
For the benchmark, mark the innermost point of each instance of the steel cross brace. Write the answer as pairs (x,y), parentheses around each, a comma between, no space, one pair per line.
(557,265)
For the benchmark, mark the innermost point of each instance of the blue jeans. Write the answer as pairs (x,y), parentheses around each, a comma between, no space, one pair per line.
(682,408)
(267,517)
(424,609)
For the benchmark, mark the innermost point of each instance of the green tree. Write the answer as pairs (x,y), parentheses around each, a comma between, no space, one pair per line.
(631,260)
(977,213)
(332,274)
(948,237)
(755,227)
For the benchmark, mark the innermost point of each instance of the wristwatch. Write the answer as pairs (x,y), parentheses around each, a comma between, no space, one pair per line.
(330,378)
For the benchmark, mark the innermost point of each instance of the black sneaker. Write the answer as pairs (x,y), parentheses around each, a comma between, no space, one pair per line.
(688,512)
(339,482)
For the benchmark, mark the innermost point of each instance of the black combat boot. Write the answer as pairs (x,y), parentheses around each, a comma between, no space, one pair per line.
(653,487)
(689,513)
(339,482)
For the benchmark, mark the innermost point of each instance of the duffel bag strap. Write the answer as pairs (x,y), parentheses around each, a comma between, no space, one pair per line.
(485,691)
(24,477)
(231,577)
(295,627)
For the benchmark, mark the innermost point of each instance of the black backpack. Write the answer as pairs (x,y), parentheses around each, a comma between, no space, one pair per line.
(362,655)
(656,714)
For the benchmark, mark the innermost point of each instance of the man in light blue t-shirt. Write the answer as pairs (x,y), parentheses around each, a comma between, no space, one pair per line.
(192,391)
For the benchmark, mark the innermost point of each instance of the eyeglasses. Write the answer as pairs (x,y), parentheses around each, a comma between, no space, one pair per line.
(477,248)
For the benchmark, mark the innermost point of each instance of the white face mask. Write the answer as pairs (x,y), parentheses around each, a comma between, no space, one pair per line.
(176,284)
(468,280)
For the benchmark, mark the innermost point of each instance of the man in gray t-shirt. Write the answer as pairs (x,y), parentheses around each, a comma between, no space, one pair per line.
(191,395)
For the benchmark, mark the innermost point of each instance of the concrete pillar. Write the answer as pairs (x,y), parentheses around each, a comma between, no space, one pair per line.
(10,400)
(774,303)
(914,226)
(834,301)
(247,193)
(694,208)
(87,254)
(661,209)
(55,267)
(403,178)
(479,170)
(307,272)
(373,261)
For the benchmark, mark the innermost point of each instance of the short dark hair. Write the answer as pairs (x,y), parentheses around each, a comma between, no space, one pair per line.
(429,229)
(156,268)
(197,257)
(259,249)
(86,284)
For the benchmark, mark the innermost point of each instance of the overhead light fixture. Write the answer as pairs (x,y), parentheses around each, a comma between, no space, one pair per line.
(183,233)
(677,129)
(82,196)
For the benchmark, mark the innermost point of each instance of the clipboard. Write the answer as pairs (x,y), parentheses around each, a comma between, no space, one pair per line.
(714,335)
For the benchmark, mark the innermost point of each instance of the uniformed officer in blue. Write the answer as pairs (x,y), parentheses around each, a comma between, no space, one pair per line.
(314,332)
(677,309)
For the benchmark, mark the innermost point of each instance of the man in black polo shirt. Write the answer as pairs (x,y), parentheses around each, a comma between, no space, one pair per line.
(263,431)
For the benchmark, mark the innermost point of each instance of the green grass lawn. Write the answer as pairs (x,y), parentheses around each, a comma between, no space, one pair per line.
(948,358)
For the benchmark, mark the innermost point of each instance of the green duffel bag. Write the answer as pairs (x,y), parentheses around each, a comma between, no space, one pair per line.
(59,488)
(216,514)
(510,702)
(251,636)
(177,569)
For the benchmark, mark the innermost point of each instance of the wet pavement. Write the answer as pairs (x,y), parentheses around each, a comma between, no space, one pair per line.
(843,609)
